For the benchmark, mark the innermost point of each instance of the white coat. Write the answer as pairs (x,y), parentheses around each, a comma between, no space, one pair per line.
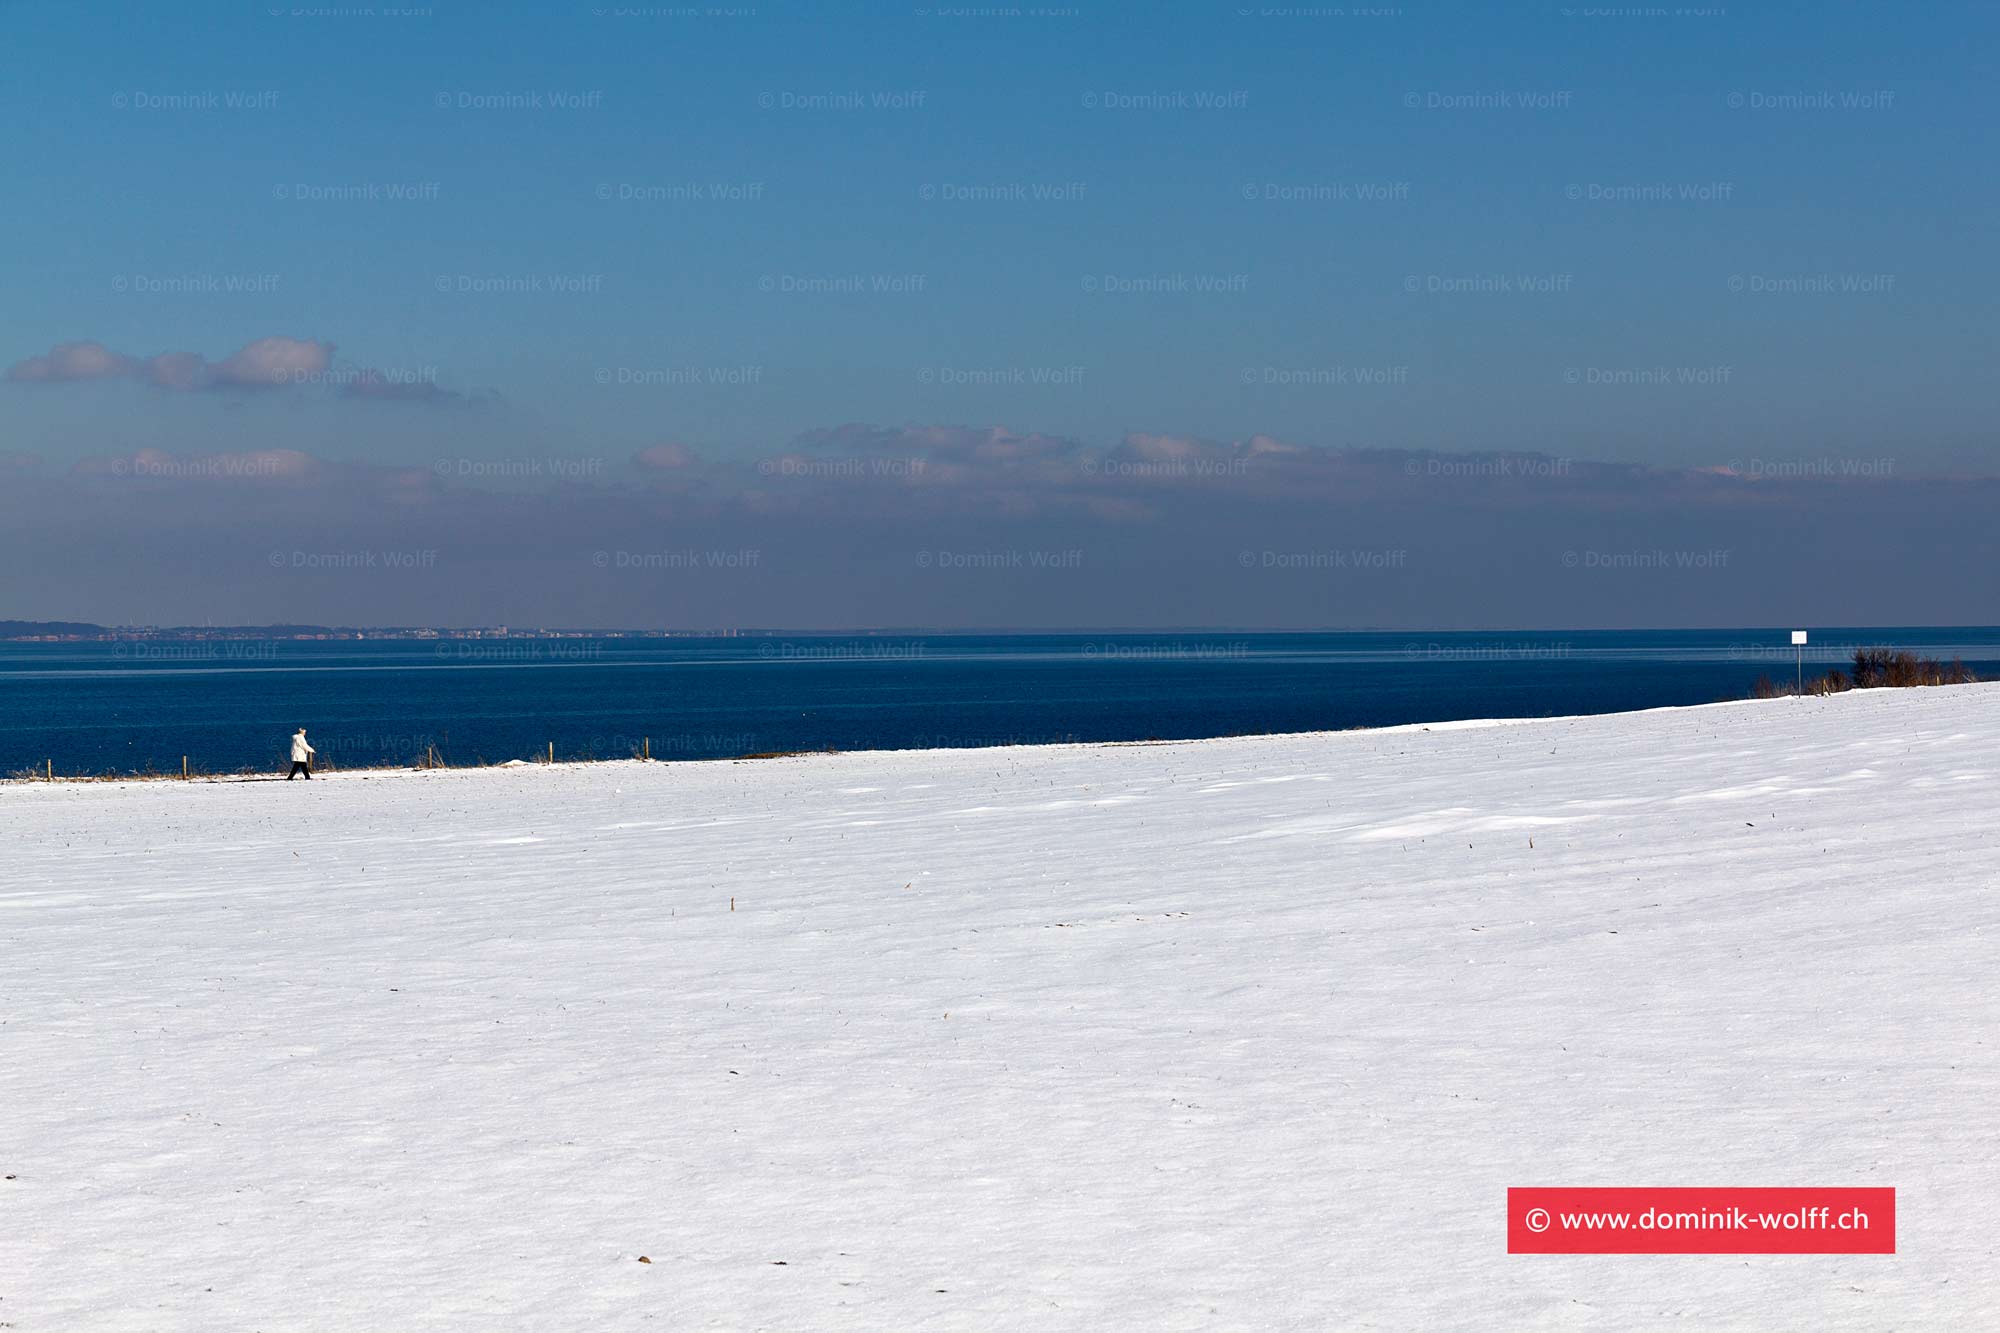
(301,752)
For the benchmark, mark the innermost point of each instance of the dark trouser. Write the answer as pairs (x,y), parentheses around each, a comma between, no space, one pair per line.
(300,766)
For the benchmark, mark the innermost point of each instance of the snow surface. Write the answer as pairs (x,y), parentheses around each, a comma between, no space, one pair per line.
(1247,1033)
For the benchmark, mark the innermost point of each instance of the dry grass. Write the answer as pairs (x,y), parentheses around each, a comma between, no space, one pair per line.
(430,760)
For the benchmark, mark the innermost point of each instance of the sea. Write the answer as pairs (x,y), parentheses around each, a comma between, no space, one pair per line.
(231,706)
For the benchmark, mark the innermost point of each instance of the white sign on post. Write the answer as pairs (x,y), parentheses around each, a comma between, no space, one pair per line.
(1799,636)
(1799,649)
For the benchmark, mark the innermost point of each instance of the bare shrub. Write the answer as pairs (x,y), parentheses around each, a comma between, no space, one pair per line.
(1874,668)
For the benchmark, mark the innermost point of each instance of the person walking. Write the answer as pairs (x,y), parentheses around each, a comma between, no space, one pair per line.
(301,756)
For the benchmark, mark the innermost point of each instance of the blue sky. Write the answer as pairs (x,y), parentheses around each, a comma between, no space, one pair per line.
(1762,233)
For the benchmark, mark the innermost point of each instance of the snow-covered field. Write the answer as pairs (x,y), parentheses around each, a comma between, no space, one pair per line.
(1246,1033)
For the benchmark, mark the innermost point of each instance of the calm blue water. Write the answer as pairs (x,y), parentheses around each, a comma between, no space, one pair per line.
(98,708)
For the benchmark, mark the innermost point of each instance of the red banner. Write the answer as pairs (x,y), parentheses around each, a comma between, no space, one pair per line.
(1690,1220)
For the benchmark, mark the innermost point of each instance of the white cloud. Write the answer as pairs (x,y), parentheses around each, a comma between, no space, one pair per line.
(265,363)
(72,361)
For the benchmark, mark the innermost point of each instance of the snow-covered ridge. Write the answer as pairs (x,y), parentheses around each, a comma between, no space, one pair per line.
(1242,1033)
(31,777)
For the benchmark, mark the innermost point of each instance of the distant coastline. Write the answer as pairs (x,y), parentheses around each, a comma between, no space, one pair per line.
(69,631)
(79,631)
